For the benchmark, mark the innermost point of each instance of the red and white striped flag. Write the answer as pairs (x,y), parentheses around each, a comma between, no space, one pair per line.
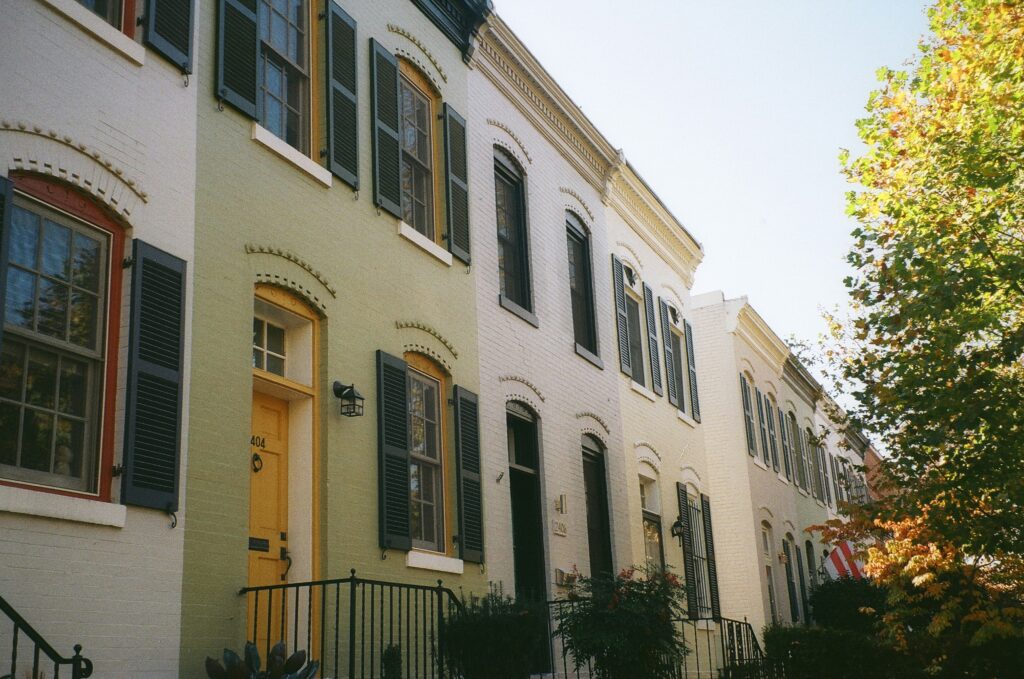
(841,563)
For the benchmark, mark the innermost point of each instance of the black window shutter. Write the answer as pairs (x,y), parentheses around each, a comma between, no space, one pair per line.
(803,585)
(237,54)
(6,200)
(393,452)
(387,162)
(456,183)
(618,282)
(765,448)
(342,111)
(772,437)
(670,366)
(689,565)
(709,547)
(692,361)
(786,453)
(748,417)
(152,424)
(169,25)
(467,465)
(794,607)
(652,340)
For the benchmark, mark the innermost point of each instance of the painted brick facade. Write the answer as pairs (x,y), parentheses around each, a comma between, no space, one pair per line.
(84,106)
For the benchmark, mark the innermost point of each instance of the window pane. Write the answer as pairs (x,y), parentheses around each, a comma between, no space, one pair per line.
(275,339)
(86,265)
(677,368)
(53,308)
(21,295)
(636,352)
(83,319)
(652,543)
(56,250)
(73,380)
(70,448)
(36,440)
(275,365)
(257,359)
(24,237)
(278,32)
(9,415)
(41,385)
(257,332)
(12,368)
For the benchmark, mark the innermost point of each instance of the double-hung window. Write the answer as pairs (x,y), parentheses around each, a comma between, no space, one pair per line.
(636,342)
(513,250)
(417,140)
(581,288)
(426,477)
(108,10)
(284,71)
(52,365)
(650,508)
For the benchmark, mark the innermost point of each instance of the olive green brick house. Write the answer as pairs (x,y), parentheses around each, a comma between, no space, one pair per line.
(331,278)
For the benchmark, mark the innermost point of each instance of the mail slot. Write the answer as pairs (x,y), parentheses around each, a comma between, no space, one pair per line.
(259,545)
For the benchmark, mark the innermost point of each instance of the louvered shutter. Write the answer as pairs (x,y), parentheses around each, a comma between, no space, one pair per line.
(152,424)
(6,201)
(831,461)
(652,340)
(467,465)
(169,25)
(670,366)
(803,585)
(794,607)
(826,482)
(456,183)
(691,359)
(748,417)
(387,187)
(689,565)
(765,448)
(786,452)
(342,100)
(237,54)
(772,435)
(393,452)
(622,319)
(709,548)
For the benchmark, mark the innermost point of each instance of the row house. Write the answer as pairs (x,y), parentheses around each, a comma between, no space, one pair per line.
(779,465)
(97,181)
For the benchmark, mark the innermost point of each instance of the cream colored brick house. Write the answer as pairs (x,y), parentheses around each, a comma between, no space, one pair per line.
(777,466)
(97,185)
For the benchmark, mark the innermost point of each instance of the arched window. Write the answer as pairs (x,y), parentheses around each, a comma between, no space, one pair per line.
(748,414)
(525,501)
(596,491)
(581,284)
(421,154)
(513,246)
(650,509)
(427,453)
(766,553)
(787,551)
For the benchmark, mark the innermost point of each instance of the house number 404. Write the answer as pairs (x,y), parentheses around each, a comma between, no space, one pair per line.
(258,442)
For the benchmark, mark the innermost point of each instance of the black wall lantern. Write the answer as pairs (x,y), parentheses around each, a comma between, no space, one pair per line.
(677,530)
(351,399)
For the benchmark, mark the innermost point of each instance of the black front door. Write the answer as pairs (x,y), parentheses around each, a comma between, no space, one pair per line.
(598,532)
(524,485)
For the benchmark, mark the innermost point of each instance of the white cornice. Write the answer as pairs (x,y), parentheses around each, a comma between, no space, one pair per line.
(761,338)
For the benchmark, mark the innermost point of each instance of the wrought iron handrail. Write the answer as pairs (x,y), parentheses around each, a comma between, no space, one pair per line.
(356,625)
(81,667)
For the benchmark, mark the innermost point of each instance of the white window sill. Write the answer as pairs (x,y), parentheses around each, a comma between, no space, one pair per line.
(91,23)
(686,419)
(53,506)
(643,391)
(279,146)
(424,243)
(433,562)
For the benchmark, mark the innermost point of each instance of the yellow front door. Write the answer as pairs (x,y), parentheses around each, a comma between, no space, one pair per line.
(268,518)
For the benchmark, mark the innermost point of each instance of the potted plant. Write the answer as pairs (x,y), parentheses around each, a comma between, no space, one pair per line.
(625,626)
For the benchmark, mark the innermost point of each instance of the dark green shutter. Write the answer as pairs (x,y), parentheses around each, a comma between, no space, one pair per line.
(387,161)
(772,436)
(652,340)
(689,565)
(786,453)
(456,183)
(692,362)
(169,25)
(152,424)
(790,583)
(619,283)
(748,416)
(709,548)
(238,48)
(765,449)
(393,452)
(467,465)
(342,111)
(6,201)
(670,366)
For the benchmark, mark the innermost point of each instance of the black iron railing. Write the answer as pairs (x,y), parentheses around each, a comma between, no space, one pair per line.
(30,655)
(715,648)
(355,628)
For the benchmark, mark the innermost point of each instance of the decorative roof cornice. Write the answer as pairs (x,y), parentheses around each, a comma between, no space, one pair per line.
(797,376)
(459,20)
(760,337)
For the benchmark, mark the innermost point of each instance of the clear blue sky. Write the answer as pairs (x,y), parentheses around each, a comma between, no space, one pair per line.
(734,112)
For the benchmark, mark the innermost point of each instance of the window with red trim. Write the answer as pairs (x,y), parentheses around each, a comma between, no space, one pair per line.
(58,348)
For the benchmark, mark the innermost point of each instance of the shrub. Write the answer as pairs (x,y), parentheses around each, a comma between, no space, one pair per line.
(625,625)
(812,652)
(495,637)
(848,604)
